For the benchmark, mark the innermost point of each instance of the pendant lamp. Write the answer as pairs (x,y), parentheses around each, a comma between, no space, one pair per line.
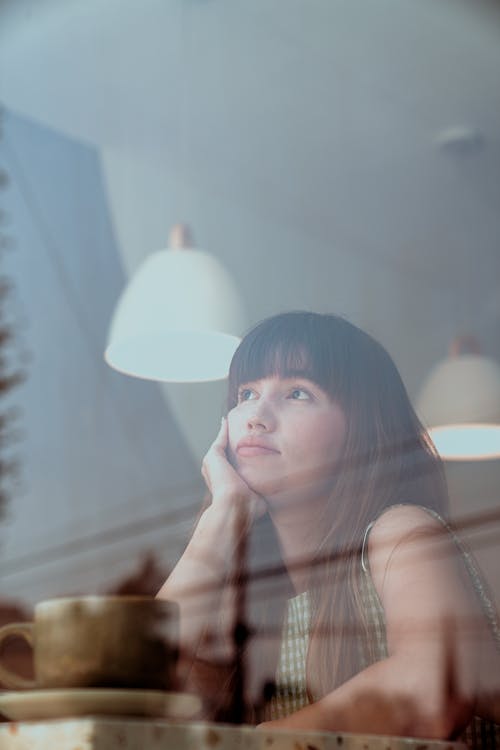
(179,319)
(459,403)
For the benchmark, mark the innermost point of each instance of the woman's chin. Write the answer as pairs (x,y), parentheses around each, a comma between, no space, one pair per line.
(257,481)
(275,491)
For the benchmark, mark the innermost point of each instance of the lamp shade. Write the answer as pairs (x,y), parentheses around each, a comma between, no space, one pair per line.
(178,320)
(460,405)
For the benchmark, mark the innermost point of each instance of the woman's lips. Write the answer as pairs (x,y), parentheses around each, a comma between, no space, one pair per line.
(254,450)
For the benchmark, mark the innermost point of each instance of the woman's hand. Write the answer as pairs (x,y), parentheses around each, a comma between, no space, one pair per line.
(229,491)
(198,581)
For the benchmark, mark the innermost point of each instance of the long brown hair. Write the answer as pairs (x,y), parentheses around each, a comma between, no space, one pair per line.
(387,459)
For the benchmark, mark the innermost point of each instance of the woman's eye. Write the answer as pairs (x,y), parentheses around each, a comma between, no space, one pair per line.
(245,394)
(300,394)
(296,394)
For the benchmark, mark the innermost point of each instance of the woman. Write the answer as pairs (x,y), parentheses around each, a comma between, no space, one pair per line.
(385,626)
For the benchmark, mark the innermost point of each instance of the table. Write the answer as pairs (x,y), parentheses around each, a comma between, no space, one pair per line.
(151,734)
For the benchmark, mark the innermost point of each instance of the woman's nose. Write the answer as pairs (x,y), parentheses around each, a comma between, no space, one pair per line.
(254,423)
(260,418)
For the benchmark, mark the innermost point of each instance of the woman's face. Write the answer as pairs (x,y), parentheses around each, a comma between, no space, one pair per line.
(285,437)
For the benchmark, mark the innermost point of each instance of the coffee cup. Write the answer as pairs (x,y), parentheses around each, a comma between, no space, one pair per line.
(98,641)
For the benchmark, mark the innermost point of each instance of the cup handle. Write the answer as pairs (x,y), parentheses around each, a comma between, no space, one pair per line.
(13,630)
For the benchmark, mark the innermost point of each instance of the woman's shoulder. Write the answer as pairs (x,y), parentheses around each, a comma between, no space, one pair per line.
(406,518)
(411,545)
(399,523)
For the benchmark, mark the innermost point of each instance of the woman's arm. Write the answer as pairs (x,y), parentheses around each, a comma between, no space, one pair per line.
(197,583)
(435,634)
(201,581)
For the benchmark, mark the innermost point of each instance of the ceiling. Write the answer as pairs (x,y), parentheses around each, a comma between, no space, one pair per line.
(324,113)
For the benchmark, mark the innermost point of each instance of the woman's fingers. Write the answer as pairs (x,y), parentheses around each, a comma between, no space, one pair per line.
(206,477)
(220,441)
(215,465)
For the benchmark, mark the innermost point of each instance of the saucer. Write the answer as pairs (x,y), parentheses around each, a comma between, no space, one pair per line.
(27,705)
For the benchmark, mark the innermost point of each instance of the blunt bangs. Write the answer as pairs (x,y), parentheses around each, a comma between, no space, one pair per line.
(296,344)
